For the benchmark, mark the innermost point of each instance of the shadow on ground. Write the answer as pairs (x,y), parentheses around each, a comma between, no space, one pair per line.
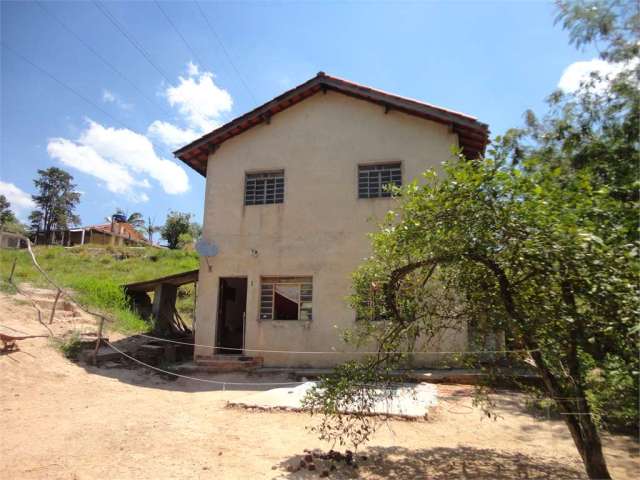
(437,464)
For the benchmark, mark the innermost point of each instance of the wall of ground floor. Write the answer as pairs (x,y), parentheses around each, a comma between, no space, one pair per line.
(330,318)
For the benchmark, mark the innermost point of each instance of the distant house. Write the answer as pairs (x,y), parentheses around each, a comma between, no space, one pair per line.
(292,189)
(12,240)
(112,233)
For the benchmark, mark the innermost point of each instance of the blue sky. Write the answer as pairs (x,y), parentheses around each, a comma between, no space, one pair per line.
(492,60)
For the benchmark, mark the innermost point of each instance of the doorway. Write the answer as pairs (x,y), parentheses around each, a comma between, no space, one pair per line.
(232,308)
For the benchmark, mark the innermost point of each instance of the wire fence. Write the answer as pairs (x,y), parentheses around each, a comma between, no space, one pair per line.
(337,352)
(103,318)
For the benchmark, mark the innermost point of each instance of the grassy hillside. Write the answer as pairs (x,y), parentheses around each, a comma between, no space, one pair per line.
(97,273)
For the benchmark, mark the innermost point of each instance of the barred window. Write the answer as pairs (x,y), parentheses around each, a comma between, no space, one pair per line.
(373,180)
(263,188)
(286,298)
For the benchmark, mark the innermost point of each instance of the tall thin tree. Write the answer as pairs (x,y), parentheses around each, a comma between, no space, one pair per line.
(56,199)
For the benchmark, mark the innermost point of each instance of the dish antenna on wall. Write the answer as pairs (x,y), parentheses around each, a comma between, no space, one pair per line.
(207,250)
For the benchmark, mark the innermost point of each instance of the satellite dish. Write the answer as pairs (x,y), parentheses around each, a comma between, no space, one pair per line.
(206,249)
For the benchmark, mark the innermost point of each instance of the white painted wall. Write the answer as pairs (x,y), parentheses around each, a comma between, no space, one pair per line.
(321,228)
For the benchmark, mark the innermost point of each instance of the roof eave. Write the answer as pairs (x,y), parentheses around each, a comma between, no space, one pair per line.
(473,135)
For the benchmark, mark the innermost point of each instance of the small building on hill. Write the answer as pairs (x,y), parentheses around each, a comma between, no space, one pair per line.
(113,233)
(12,240)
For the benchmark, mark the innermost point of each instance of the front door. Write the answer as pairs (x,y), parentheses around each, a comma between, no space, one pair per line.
(232,304)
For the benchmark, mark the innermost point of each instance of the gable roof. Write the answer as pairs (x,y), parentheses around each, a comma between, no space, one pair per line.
(124,230)
(473,135)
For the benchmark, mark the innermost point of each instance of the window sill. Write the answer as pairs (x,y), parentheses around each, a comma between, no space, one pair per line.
(294,322)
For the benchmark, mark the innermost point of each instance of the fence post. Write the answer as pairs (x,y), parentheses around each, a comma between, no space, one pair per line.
(98,342)
(53,309)
(13,269)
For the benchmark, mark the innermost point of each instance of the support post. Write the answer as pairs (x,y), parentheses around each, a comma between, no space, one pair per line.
(13,269)
(164,300)
(53,309)
(98,342)
(195,306)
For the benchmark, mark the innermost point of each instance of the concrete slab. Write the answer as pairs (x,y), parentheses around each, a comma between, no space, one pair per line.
(408,401)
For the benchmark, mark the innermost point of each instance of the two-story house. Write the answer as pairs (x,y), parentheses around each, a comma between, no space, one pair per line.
(293,187)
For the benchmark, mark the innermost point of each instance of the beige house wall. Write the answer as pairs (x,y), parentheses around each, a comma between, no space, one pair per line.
(321,228)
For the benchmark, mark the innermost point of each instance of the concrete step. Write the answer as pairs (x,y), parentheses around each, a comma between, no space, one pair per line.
(47,304)
(105,354)
(68,313)
(224,368)
(228,363)
(34,291)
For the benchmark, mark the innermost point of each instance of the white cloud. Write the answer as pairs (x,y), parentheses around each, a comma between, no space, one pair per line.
(199,100)
(192,69)
(135,152)
(117,179)
(172,135)
(579,72)
(109,97)
(122,159)
(20,201)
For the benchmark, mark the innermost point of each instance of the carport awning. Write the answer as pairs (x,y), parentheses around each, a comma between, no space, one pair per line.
(175,279)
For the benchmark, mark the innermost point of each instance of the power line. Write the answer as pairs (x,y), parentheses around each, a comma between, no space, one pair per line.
(103,9)
(219,40)
(75,92)
(175,28)
(102,58)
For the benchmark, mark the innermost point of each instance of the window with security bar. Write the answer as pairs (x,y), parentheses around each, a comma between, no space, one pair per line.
(374,180)
(286,298)
(264,188)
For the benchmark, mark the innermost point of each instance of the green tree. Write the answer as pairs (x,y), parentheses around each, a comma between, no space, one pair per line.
(179,230)
(540,241)
(150,228)
(533,251)
(597,126)
(8,220)
(6,215)
(56,201)
(135,219)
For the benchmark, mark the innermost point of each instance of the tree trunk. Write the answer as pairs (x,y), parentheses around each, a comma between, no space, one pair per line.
(577,415)
(579,421)
(587,438)
(593,457)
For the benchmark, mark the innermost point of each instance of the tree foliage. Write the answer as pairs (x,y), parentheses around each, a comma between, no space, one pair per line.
(538,240)
(150,228)
(56,201)
(135,219)
(533,251)
(179,229)
(8,220)
(6,214)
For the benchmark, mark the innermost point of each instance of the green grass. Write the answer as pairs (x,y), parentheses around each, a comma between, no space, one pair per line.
(70,347)
(97,273)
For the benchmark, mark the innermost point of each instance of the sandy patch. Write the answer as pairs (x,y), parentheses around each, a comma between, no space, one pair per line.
(65,421)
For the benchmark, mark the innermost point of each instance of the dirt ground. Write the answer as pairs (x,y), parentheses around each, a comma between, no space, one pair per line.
(65,421)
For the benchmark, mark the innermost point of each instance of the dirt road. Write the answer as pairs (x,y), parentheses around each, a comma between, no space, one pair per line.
(64,421)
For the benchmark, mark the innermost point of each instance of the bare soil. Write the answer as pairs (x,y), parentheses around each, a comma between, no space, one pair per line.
(61,420)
